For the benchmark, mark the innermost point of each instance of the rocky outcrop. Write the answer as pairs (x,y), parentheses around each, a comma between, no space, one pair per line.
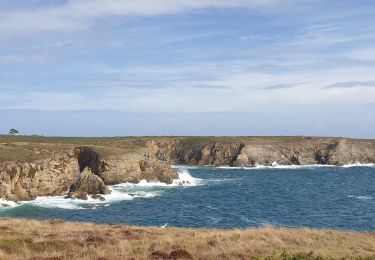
(25,181)
(130,167)
(334,151)
(81,172)
(88,184)
(186,152)
(135,167)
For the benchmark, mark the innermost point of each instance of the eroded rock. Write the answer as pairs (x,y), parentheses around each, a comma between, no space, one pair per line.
(134,168)
(48,177)
(87,184)
(335,151)
(88,157)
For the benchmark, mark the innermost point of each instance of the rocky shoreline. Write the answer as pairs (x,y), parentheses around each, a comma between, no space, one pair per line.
(82,171)
(306,151)
(78,174)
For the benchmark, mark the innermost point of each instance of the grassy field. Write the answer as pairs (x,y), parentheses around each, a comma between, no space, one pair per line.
(22,148)
(56,239)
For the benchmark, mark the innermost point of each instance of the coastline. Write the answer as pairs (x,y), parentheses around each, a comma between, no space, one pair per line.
(32,166)
(31,239)
(184,179)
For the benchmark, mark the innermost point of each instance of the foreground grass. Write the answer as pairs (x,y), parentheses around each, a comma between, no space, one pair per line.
(56,239)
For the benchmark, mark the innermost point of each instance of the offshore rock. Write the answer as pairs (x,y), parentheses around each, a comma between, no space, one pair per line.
(87,183)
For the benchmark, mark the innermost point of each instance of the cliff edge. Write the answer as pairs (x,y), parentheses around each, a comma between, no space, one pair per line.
(263,151)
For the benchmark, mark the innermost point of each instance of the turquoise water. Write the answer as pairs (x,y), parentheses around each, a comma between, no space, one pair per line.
(319,197)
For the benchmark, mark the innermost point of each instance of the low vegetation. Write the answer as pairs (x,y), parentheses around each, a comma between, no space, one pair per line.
(56,239)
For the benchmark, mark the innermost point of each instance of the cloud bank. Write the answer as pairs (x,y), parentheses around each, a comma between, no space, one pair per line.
(265,60)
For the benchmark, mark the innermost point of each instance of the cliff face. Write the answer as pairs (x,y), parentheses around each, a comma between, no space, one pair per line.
(62,172)
(332,151)
(327,152)
(25,181)
(135,167)
(184,152)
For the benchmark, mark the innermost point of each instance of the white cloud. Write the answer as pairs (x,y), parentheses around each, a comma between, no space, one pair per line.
(245,85)
(19,58)
(240,91)
(363,54)
(79,14)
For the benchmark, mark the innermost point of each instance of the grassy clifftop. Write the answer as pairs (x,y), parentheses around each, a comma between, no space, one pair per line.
(29,148)
(24,148)
(56,239)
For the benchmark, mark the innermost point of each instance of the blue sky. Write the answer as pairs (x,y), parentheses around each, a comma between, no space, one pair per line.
(188,67)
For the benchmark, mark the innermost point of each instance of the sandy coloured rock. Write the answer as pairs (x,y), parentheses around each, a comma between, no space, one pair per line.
(87,184)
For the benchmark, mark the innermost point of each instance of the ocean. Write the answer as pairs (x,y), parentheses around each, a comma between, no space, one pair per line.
(222,197)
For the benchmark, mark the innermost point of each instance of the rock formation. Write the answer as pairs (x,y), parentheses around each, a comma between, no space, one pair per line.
(25,181)
(82,172)
(87,184)
(185,152)
(130,167)
(135,167)
(88,157)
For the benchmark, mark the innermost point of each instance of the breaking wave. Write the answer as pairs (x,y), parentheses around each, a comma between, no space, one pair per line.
(293,166)
(358,165)
(119,192)
(5,204)
(364,197)
(184,179)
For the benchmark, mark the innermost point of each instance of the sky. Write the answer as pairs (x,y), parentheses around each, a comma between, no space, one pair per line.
(188,67)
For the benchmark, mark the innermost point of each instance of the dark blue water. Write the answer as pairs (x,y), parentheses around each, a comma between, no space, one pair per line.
(319,197)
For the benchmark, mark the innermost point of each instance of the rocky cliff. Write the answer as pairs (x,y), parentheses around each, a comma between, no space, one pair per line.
(82,172)
(333,151)
(135,167)
(25,181)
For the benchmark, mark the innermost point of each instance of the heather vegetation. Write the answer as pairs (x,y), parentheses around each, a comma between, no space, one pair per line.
(56,239)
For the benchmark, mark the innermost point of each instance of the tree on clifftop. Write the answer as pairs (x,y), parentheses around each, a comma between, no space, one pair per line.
(13,131)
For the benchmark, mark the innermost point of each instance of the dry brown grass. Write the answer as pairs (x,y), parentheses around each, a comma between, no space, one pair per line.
(56,239)
(21,148)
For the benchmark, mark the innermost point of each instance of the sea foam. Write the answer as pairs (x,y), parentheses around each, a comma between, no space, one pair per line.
(294,166)
(119,192)
(184,179)
(358,165)
(363,197)
(5,204)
